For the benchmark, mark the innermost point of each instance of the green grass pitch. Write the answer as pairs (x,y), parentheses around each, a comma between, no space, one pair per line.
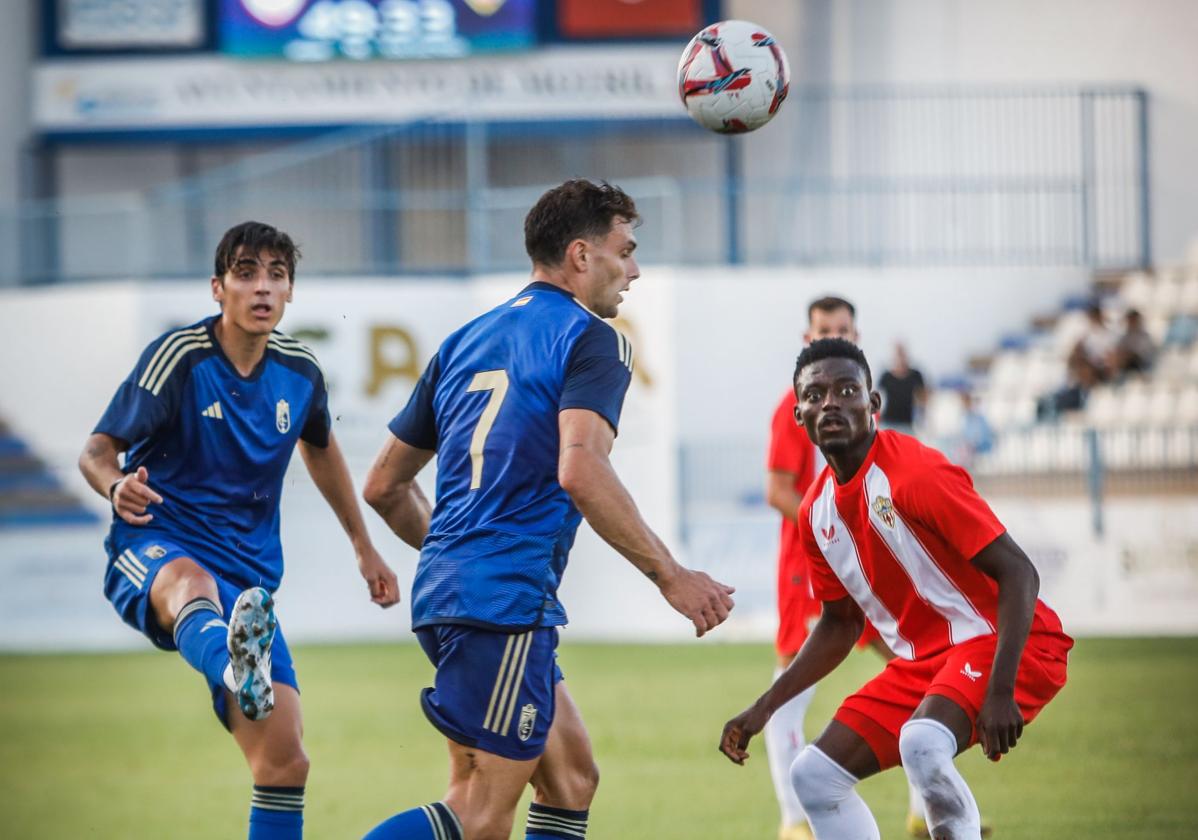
(125,746)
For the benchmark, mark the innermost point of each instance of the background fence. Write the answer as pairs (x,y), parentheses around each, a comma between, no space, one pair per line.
(886,176)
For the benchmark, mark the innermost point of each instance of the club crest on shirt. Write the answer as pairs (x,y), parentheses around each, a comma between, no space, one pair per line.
(528,719)
(282,416)
(884,508)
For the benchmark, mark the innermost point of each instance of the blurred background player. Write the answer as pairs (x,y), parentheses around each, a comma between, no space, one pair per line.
(208,420)
(521,408)
(794,462)
(904,394)
(904,539)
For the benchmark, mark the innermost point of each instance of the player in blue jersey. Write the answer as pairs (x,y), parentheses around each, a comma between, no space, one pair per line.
(520,407)
(208,420)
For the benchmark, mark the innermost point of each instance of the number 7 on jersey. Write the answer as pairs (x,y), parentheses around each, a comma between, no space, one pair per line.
(496,382)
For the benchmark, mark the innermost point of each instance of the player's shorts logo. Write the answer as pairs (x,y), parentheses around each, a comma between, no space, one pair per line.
(884,509)
(528,719)
(155,552)
(282,416)
(969,672)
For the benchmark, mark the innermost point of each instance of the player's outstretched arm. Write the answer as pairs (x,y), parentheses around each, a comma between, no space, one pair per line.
(392,491)
(831,640)
(1000,723)
(129,493)
(780,493)
(585,472)
(331,475)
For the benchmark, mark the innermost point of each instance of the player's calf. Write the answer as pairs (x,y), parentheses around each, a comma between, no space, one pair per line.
(251,633)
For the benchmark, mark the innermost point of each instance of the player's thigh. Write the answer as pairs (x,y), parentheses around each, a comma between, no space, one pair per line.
(273,747)
(566,776)
(484,790)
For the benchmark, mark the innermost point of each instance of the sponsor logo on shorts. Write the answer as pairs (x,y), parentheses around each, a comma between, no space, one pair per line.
(528,719)
(969,672)
(884,508)
(155,552)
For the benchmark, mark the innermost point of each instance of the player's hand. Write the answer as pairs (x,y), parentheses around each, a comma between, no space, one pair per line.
(133,495)
(384,585)
(706,602)
(738,731)
(1000,725)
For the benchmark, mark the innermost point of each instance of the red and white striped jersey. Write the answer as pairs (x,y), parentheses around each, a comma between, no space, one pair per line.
(899,537)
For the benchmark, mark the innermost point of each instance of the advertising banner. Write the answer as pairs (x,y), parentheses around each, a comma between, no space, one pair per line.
(218,92)
(321,30)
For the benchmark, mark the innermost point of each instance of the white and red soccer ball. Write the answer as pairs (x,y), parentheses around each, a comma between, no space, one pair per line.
(733,77)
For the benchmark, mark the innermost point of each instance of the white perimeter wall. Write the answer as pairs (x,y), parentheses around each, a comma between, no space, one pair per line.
(714,350)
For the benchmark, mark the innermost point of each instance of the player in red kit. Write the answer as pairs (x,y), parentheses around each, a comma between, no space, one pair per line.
(792,465)
(894,532)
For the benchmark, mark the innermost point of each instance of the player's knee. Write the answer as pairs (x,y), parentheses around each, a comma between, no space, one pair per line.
(286,770)
(178,583)
(818,781)
(925,746)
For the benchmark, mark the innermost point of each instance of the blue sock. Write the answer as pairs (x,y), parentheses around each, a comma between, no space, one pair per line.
(546,823)
(201,636)
(428,822)
(277,813)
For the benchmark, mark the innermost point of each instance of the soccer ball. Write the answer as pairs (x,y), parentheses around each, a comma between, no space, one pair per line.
(733,77)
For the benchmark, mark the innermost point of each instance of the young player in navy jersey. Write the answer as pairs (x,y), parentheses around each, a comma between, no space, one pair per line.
(520,407)
(208,420)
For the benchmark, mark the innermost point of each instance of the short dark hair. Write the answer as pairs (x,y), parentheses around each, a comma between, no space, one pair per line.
(254,238)
(577,209)
(830,304)
(833,348)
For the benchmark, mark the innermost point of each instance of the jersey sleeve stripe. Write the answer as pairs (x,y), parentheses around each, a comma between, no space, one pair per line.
(155,385)
(165,349)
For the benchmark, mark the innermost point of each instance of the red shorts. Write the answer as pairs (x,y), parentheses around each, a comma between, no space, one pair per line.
(879,709)
(798,610)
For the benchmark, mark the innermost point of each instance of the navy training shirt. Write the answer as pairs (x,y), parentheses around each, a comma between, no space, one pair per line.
(217,445)
(488,403)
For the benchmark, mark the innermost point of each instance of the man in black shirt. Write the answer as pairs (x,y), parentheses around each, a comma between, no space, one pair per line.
(903,392)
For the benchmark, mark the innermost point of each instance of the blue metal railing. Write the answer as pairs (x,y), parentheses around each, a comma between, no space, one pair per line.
(877,176)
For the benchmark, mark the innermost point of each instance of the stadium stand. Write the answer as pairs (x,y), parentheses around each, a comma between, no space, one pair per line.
(30,494)
(1141,420)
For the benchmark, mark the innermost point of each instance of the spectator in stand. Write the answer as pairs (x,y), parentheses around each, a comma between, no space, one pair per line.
(1095,349)
(903,393)
(1135,351)
(977,437)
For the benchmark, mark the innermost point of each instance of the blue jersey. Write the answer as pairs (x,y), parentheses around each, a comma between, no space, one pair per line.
(217,444)
(488,404)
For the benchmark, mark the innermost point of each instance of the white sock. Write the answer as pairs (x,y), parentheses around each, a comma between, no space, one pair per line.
(927,748)
(914,800)
(783,742)
(834,810)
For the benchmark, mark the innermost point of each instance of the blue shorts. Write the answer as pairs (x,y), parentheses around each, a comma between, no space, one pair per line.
(493,690)
(127,581)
